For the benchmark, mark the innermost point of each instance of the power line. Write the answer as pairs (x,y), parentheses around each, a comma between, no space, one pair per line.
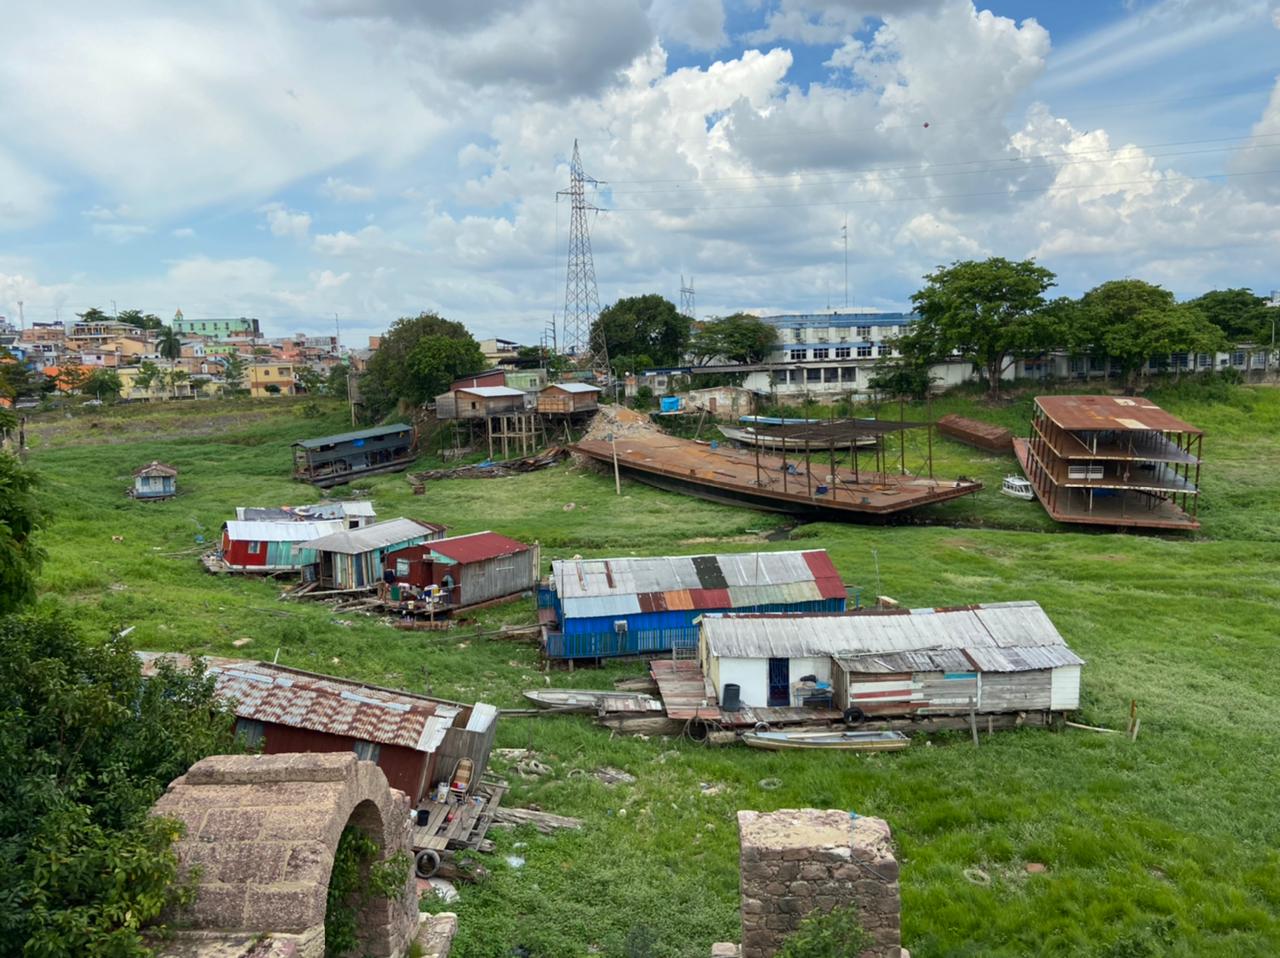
(928,198)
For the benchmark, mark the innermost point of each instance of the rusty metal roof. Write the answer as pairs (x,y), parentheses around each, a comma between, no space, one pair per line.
(1128,413)
(999,637)
(268,693)
(156,468)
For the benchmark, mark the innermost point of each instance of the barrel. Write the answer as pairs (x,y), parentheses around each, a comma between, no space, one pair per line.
(732,697)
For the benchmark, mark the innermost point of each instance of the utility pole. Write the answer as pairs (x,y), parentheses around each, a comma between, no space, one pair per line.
(581,295)
(687,302)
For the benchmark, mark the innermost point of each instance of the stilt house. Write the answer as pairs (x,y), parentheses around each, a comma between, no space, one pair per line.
(467,569)
(353,559)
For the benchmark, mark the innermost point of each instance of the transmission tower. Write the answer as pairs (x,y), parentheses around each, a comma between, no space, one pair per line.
(581,297)
(686,298)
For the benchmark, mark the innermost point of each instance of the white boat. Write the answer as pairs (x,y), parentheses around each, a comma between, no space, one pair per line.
(589,700)
(1017,488)
(749,437)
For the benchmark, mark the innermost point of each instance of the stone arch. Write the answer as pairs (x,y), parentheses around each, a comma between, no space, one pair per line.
(261,832)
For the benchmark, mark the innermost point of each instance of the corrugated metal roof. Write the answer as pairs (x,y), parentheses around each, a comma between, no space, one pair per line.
(477,547)
(585,607)
(1001,637)
(319,510)
(575,387)
(268,693)
(585,577)
(155,468)
(377,536)
(291,531)
(489,392)
(351,436)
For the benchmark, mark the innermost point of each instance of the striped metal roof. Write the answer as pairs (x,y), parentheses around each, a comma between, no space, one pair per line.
(625,586)
(290,531)
(998,637)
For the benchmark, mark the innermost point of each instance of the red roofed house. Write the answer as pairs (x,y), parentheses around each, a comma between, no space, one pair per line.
(415,740)
(468,569)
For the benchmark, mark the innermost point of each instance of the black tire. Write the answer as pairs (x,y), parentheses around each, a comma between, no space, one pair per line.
(426,863)
(854,715)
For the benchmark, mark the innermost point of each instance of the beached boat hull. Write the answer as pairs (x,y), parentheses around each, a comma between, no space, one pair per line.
(749,437)
(827,740)
(588,700)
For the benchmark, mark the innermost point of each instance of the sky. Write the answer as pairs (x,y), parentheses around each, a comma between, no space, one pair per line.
(312,162)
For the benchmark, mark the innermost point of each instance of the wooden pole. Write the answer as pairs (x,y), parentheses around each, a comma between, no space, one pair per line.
(617,479)
(808,471)
(929,397)
(902,438)
(757,445)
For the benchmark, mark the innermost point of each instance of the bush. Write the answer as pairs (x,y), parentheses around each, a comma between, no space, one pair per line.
(834,934)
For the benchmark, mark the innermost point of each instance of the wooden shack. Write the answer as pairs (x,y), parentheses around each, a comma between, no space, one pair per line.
(479,402)
(976,433)
(155,480)
(259,545)
(1000,657)
(490,377)
(352,559)
(567,399)
(332,460)
(467,570)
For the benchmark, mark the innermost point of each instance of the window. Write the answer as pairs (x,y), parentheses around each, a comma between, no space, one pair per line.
(883,350)
(255,548)
(369,751)
(251,730)
(798,355)
(1237,358)
(864,350)
(813,375)
(843,352)
(1203,360)
(849,373)
(1077,365)
(1178,360)
(821,353)
(1096,364)
(831,374)
(402,568)
(864,332)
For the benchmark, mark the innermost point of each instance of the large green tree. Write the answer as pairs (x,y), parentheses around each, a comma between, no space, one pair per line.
(234,373)
(86,747)
(136,317)
(169,345)
(93,315)
(20,516)
(641,331)
(103,383)
(1242,316)
(391,376)
(436,361)
(739,338)
(1132,321)
(990,312)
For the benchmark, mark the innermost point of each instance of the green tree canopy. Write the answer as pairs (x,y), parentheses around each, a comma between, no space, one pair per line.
(739,338)
(169,343)
(336,383)
(1132,321)
(16,379)
(1242,316)
(436,361)
(391,376)
(989,312)
(642,331)
(103,383)
(136,317)
(20,517)
(310,380)
(86,747)
(93,315)
(148,375)
(234,373)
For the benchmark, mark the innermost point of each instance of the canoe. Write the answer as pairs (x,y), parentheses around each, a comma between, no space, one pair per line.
(587,700)
(749,437)
(827,739)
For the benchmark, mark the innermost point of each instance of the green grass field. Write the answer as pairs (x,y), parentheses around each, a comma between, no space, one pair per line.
(1169,845)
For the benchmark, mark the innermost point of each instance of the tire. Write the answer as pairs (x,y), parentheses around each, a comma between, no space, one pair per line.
(854,715)
(426,863)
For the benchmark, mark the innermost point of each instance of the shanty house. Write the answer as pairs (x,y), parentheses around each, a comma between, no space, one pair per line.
(354,513)
(352,559)
(490,377)
(332,460)
(595,608)
(414,739)
(1000,657)
(155,481)
(468,569)
(258,545)
(565,399)
(479,402)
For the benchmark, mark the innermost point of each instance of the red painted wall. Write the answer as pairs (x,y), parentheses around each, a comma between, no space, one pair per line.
(237,552)
(403,767)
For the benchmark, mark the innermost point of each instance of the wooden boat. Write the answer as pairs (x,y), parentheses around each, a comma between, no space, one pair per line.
(749,437)
(587,700)
(836,739)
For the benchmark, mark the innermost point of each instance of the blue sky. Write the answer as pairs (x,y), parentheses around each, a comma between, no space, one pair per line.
(375,158)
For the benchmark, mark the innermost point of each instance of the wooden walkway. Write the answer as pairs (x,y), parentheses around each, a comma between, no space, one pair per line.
(459,826)
(688,696)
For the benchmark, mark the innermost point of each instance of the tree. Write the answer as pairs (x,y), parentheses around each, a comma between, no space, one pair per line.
(16,379)
(136,317)
(901,377)
(642,331)
(336,383)
(87,745)
(169,345)
(436,361)
(20,519)
(310,380)
(103,383)
(148,375)
(93,315)
(739,338)
(988,312)
(1242,316)
(390,377)
(234,373)
(175,378)
(1132,321)
(72,377)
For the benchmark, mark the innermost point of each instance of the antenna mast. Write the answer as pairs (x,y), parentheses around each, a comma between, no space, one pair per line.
(687,307)
(581,296)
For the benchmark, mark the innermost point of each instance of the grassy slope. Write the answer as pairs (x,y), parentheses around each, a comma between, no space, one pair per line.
(1180,824)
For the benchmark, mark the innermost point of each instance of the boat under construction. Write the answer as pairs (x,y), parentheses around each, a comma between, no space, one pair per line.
(811,484)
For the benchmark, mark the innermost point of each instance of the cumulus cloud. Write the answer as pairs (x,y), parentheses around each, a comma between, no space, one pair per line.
(1258,163)
(340,191)
(285,222)
(697,24)
(828,21)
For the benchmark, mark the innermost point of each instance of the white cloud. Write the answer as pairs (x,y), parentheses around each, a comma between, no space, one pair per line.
(285,222)
(697,24)
(1258,163)
(25,195)
(183,232)
(339,190)
(120,232)
(828,21)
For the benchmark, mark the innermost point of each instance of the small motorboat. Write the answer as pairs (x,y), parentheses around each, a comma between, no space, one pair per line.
(1018,488)
(827,739)
(589,700)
